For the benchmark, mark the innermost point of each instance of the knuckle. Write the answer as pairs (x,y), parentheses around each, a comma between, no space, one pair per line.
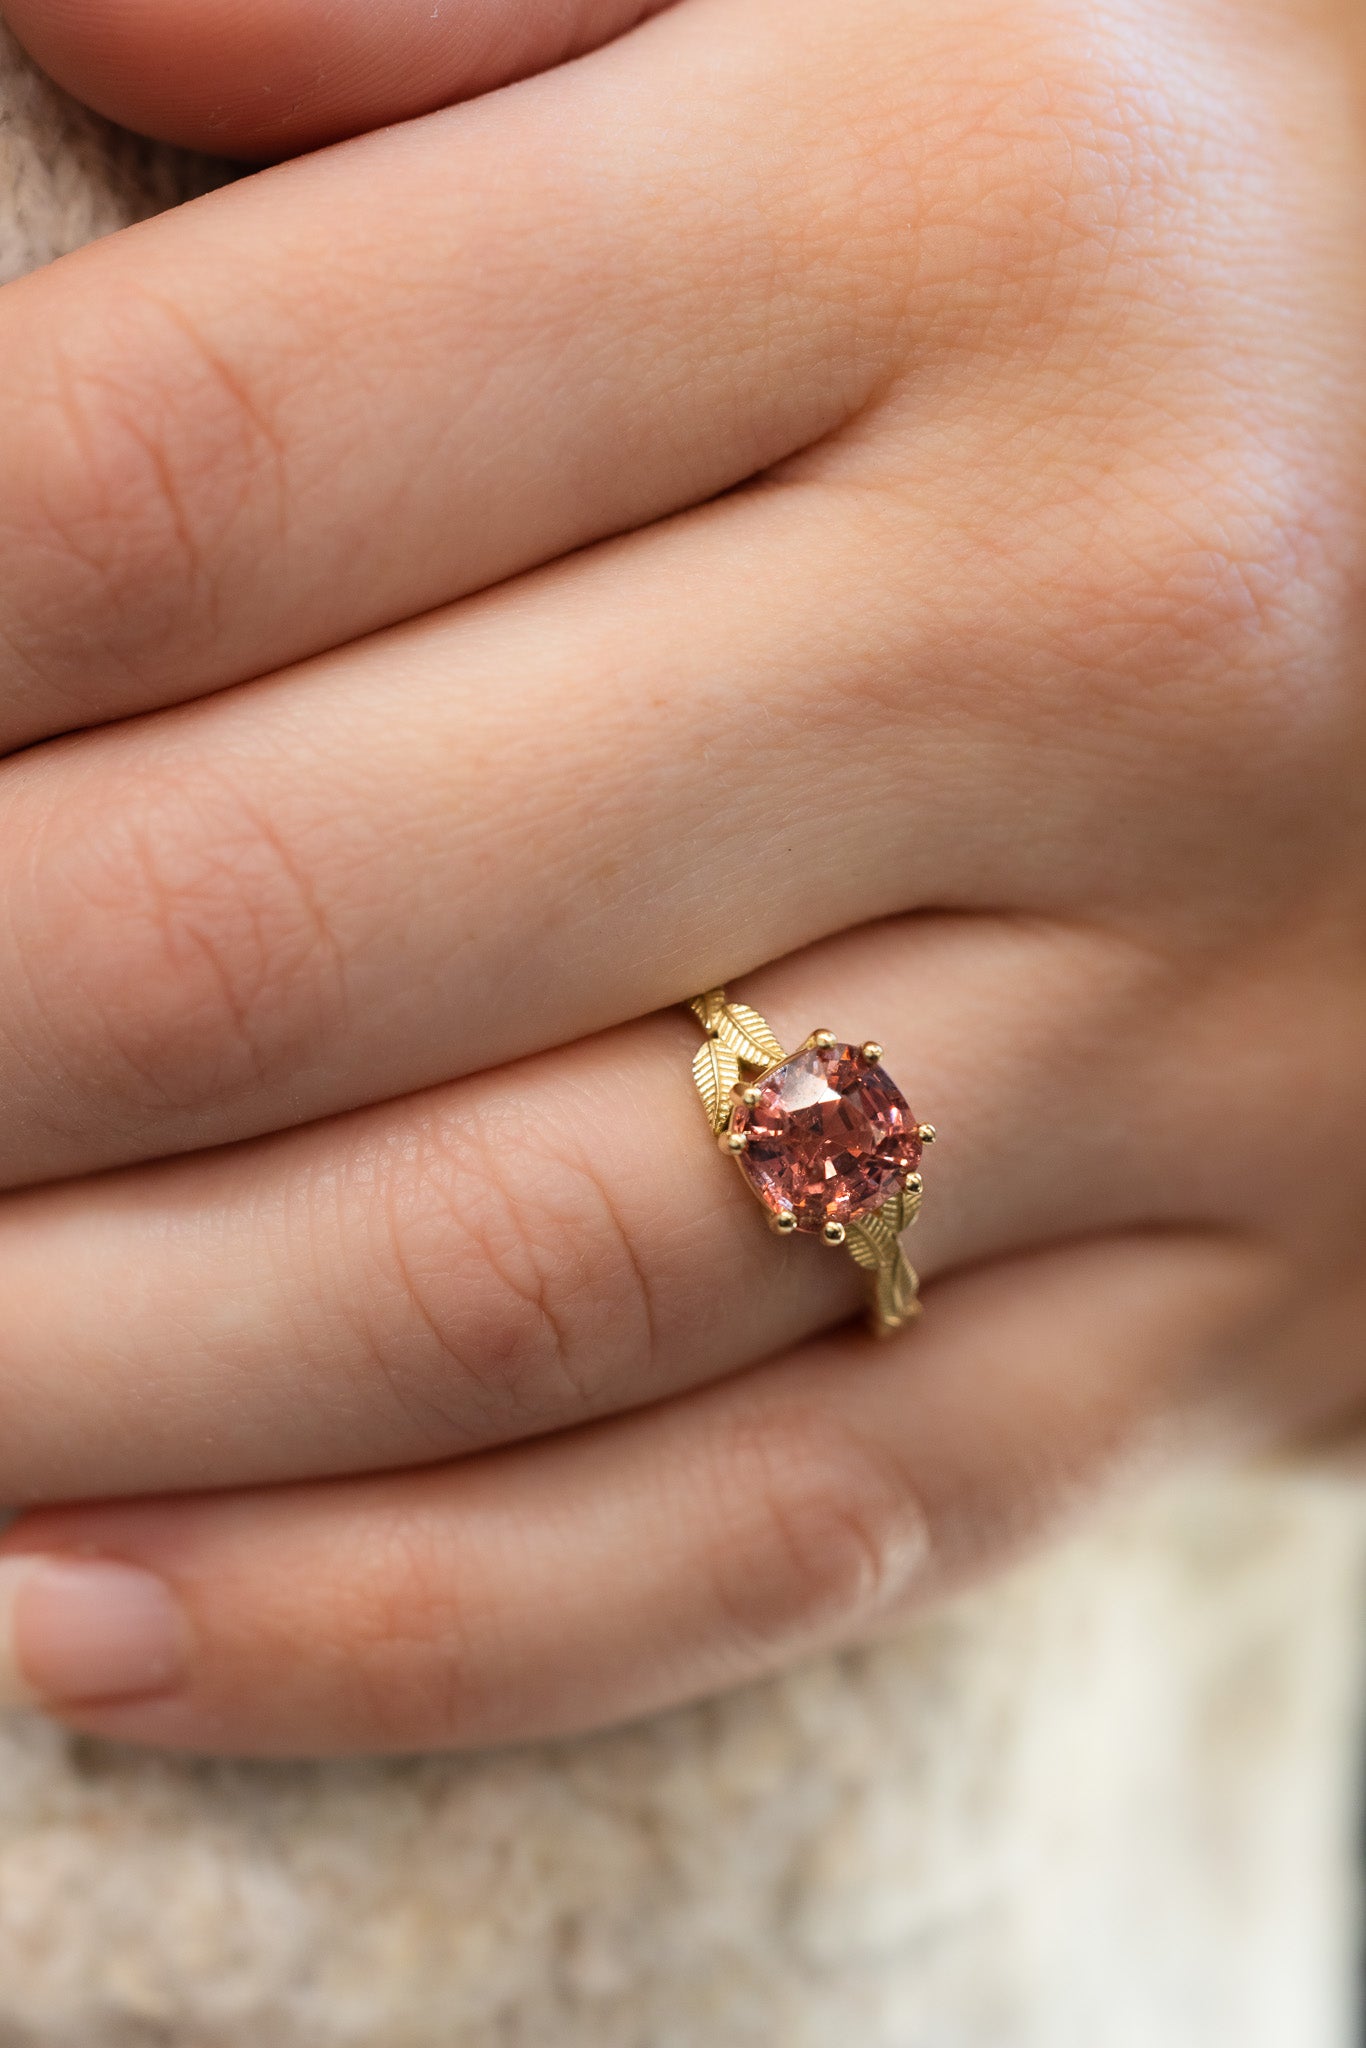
(1066,168)
(185,960)
(131,462)
(1012,177)
(1215,576)
(818,1533)
(1038,154)
(403,1631)
(1087,152)
(512,1293)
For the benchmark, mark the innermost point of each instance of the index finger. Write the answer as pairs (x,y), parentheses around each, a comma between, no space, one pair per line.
(367,382)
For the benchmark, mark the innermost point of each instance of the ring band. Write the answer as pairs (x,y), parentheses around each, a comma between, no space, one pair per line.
(825,1140)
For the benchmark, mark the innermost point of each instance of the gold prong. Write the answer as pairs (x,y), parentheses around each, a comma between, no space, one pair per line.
(750,1097)
(733,1142)
(822,1040)
(784,1223)
(927,1134)
(833,1233)
(871,1050)
(913,1184)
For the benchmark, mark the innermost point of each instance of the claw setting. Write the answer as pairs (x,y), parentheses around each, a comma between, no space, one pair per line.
(829,1137)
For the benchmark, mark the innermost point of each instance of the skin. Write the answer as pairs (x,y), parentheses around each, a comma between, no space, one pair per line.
(259,80)
(871,513)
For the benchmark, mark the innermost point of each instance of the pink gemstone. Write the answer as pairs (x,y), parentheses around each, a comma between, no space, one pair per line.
(830,1138)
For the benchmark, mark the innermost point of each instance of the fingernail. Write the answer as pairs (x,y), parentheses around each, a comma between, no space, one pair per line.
(74,1630)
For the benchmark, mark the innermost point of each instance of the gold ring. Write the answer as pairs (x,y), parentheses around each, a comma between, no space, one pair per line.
(824,1138)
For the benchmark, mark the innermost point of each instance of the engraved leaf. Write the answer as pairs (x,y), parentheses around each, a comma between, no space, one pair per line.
(716,1071)
(862,1247)
(756,1031)
(881,1228)
(746,1033)
(901,1210)
(708,1009)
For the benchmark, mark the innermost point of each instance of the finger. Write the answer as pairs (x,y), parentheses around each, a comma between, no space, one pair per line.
(635,1563)
(555,810)
(359,385)
(250,79)
(553,1242)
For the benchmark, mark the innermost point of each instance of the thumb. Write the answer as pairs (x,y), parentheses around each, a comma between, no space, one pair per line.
(263,79)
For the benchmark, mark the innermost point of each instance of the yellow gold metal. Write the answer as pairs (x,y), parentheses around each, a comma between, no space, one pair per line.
(737,1037)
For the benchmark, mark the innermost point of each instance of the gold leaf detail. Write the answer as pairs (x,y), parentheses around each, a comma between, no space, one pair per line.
(882,1229)
(757,1031)
(748,1035)
(716,1071)
(708,1009)
(901,1210)
(862,1247)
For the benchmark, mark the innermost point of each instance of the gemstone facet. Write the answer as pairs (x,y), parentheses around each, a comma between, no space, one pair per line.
(830,1138)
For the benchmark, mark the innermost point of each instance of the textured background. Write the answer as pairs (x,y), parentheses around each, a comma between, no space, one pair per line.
(66,176)
(1109,1802)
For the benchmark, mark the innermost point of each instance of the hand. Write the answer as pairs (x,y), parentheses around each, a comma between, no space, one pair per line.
(880,492)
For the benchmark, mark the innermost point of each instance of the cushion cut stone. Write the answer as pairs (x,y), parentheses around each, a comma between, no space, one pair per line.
(830,1138)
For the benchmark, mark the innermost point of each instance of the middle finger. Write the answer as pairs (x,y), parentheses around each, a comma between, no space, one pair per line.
(362,384)
(540,815)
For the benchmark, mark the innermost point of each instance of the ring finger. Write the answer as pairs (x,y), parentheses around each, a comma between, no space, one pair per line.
(522,1251)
